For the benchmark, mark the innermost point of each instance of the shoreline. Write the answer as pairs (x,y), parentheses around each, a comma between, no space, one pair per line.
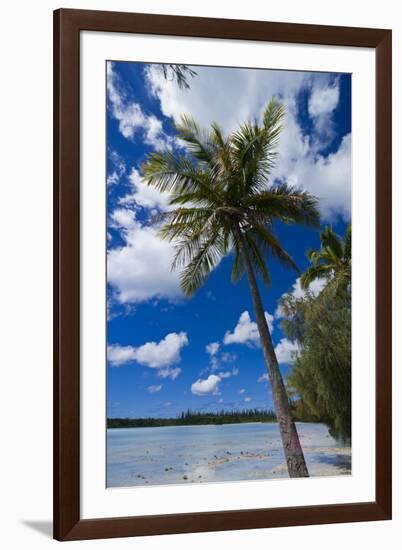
(192,425)
(207,424)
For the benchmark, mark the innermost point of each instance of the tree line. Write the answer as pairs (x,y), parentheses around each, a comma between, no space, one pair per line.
(194,418)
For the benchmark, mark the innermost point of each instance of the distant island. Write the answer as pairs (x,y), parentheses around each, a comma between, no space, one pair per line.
(194,418)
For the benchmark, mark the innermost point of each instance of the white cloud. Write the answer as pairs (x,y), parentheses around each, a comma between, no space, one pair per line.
(246,331)
(229,373)
(285,351)
(239,95)
(140,270)
(323,100)
(169,372)
(119,168)
(207,386)
(156,355)
(144,195)
(131,117)
(118,355)
(166,352)
(247,399)
(236,95)
(154,389)
(263,378)
(327,178)
(123,218)
(167,404)
(212,348)
(242,391)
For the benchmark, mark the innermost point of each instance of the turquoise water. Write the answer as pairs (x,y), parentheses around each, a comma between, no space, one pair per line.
(231,452)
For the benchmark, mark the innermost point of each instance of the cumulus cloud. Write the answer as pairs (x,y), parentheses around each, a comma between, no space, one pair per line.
(285,351)
(144,195)
(263,378)
(140,270)
(131,117)
(242,391)
(123,218)
(207,386)
(247,399)
(326,177)
(154,389)
(323,100)
(236,94)
(239,94)
(246,331)
(118,355)
(155,355)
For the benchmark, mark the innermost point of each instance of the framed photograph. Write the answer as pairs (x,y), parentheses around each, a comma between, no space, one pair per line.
(218,364)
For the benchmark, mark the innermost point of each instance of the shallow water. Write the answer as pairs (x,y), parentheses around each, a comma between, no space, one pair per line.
(231,452)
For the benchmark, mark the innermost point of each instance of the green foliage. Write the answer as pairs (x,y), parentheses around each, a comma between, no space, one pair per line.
(195,418)
(223,200)
(333,261)
(321,375)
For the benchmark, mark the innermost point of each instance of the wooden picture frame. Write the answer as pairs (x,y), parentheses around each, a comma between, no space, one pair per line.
(68,24)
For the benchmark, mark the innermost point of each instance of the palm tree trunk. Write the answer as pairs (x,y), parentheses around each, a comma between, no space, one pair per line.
(290,440)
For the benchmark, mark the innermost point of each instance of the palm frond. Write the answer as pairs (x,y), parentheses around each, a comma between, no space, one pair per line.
(238,267)
(313,273)
(196,140)
(347,247)
(332,242)
(287,203)
(257,258)
(204,261)
(182,221)
(267,239)
(177,175)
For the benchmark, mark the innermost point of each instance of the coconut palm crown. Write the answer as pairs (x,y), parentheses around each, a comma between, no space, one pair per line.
(333,261)
(222,200)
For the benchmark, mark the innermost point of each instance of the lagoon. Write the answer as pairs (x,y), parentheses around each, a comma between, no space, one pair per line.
(215,453)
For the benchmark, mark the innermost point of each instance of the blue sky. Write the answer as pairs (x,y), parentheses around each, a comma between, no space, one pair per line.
(167,353)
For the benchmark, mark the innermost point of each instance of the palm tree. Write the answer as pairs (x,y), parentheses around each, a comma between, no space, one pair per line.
(223,202)
(333,261)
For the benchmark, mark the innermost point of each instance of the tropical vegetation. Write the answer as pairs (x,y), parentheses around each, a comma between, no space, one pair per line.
(320,379)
